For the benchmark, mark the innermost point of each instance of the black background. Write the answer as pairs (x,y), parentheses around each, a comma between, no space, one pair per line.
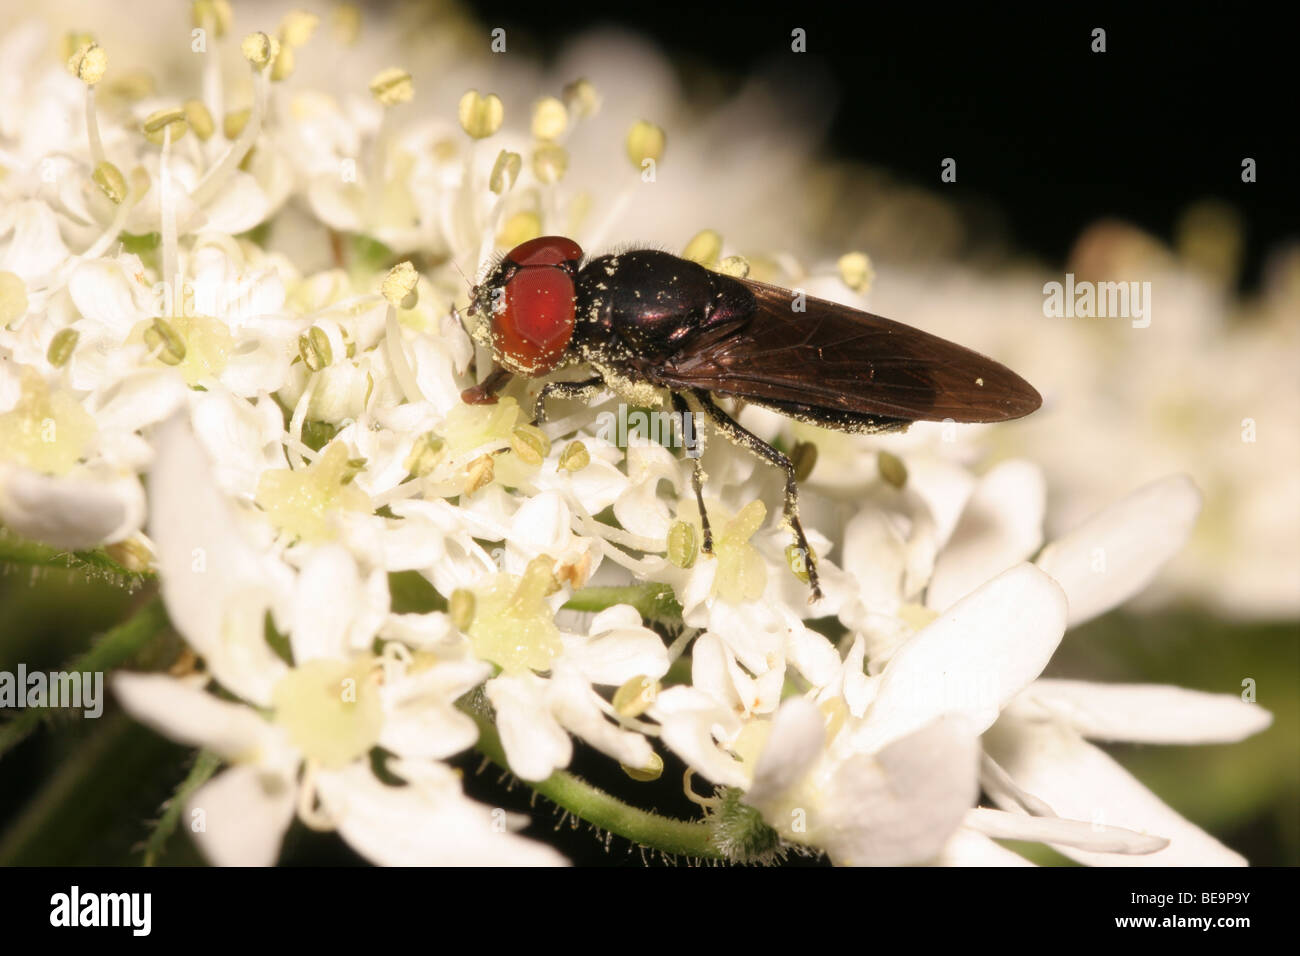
(1045,131)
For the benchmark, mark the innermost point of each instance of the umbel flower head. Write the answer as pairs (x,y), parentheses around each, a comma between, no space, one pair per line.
(243,294)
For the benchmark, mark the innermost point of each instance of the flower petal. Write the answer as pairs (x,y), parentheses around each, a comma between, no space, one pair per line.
(217,586)
(690,721)
(1095,837)
(245,813)
(1146,713)
(1116,553)
(428,822)
(796,738)
(972,660)
(534,742)
(1081,782)
(903,804)
(189,715)
(70,511)
(1001,526)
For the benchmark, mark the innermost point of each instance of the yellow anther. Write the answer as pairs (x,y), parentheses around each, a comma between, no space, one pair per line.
(314,348)
(856,271)
(297,27)
(480,116)
(892,470)
(346,21)
(653,771)
(804,459)
(233,123)
(635,696)
(530,444)
(215,14)
(798,561)
(282,68)
(520,227)
(461,608)
(200,120)
(504,172)
(645,141)
(582,99)
(164,340)
(158,123)
(682,546)
(705,247)
(550,118)
(550,163)
(737,266)
(88,63)
(392,86)
(259,49)
(399,286)
(575,457)
(62,346)
(479,474)
(110,181)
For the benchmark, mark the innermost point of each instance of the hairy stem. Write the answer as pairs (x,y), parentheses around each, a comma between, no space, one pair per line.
(116,647)
(599,808)
(205,765)
(14,550)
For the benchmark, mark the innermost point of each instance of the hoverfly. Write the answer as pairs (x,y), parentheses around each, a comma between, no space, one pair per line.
(648,323)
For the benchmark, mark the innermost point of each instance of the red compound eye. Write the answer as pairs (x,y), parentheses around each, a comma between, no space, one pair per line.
(546,251)
(534,327)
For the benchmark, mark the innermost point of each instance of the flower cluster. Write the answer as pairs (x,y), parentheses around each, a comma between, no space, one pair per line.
(231,354)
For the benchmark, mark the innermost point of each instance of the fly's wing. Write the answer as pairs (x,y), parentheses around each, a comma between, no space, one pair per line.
(840,364)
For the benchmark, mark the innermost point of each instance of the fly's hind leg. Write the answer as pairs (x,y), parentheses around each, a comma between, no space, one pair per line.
(583,389)
(739,435)
(697,476)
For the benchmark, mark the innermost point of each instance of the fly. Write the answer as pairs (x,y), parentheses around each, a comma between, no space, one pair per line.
(651,320)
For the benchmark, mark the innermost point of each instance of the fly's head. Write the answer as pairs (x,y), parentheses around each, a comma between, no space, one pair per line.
(525,308)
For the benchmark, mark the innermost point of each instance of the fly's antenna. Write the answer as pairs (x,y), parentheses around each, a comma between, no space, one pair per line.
(473,306)
(462,273)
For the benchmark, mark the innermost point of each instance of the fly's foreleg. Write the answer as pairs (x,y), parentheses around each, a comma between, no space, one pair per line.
(578,390)
(485,392)
(739,435)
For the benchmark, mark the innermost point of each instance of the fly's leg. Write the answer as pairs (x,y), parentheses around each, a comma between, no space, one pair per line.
(739,435)
(484,393)
(579,390)
(697,477)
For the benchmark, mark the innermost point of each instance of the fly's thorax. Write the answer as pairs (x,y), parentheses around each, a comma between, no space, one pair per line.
(653,302)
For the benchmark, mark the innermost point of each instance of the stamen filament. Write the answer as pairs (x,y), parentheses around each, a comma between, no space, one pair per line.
(167,210)
(97,155)
(397,355)
(216,177)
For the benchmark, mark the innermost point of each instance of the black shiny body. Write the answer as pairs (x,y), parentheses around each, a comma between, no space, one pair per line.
(640,307)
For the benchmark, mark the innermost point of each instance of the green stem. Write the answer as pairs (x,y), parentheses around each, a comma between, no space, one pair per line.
(14,550)
(115,648)
(654,602)
(205,765)
(597,807)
